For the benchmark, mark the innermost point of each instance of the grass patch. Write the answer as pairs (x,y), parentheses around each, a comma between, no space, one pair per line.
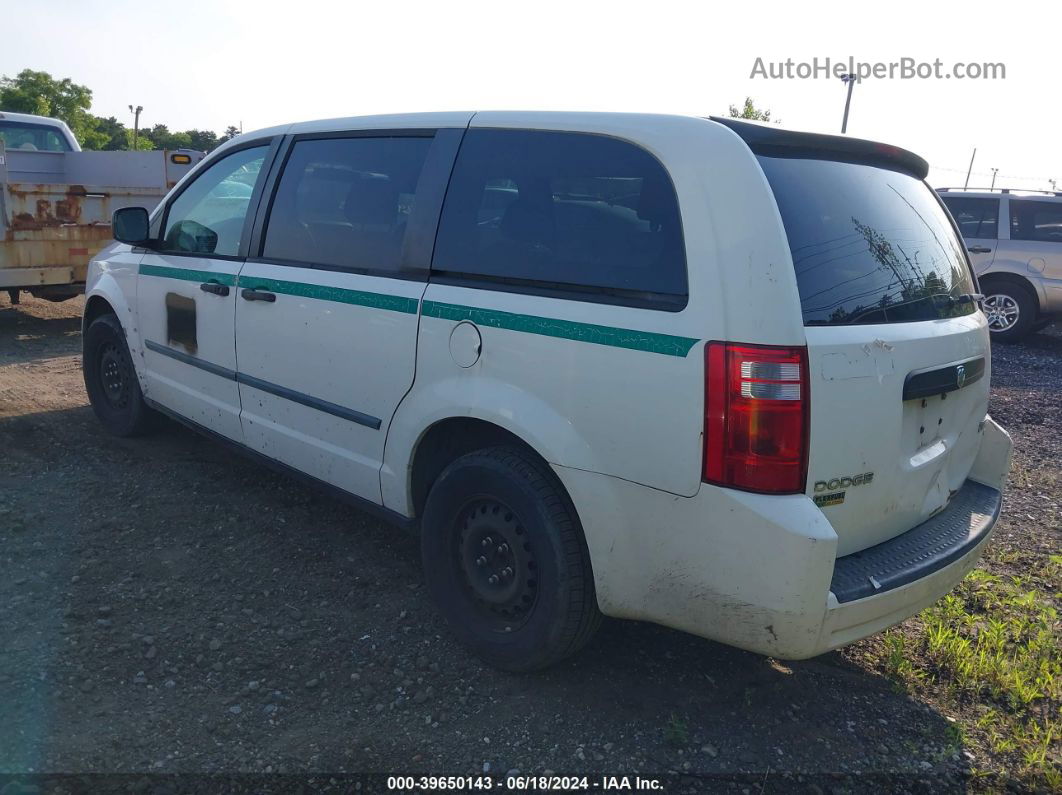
(991,652)
(677,732)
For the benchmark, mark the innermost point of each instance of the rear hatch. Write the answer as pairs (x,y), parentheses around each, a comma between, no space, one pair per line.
(897,350)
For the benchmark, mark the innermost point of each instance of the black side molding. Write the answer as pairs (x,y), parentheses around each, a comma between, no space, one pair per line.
(937,381)
(922,550)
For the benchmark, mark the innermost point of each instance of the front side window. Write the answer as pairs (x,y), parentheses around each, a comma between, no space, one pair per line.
(869,245)
(1035,220)
(207,218)
(346,202)
(29,137)
(977,218)
(565,210)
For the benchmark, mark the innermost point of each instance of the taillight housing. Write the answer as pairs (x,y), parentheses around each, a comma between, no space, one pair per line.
(756,417)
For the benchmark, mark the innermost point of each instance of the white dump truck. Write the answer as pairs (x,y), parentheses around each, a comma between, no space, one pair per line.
(56,201)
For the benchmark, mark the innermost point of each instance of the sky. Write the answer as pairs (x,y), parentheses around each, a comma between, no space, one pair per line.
(211,64)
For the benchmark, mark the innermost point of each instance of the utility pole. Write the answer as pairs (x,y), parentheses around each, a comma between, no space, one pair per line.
(969,170)
(994,172)
(851,80)
(136,124)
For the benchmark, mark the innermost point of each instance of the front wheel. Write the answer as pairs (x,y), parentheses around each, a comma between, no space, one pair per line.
(505,560)
(1011,311)
(110,379)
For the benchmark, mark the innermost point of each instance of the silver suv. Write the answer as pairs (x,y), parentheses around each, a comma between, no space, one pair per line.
(1018,264)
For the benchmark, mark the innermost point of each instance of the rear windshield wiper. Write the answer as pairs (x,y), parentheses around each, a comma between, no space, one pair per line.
(965,298)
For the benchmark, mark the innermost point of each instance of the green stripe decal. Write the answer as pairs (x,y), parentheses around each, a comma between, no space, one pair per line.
(186,275)
(665,344)
(393,303)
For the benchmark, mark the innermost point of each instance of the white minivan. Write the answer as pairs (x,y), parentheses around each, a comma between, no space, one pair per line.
(716,375)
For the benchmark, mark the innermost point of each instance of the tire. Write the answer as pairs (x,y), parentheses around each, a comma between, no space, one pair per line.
(1011,310)
(111,382)
(1040,325)
(540,607)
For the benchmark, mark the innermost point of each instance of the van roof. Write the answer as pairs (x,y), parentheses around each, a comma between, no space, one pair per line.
(761,138)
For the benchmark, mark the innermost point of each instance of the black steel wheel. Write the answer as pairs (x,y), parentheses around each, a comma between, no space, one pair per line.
(505,560)
(110,379)
(496,558)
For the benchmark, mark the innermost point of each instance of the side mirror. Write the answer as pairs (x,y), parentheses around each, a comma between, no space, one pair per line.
(130,225)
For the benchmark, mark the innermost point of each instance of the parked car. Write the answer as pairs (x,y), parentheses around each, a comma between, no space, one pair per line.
(56,201)
(1018,262)
(721,376)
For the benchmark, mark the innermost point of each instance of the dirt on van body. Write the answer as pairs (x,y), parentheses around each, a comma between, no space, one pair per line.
(168,606)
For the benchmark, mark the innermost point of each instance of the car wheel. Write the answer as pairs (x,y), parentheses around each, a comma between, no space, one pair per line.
(111,381)
(1010,309)
(505,560)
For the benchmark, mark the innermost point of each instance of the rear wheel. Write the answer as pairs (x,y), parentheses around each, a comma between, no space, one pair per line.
(505,560)
(110,379)
(1010,309)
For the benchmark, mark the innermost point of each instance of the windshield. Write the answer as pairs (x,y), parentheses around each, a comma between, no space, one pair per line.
(869,245)
(32,137)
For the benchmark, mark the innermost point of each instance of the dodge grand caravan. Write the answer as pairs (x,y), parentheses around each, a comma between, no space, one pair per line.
(720,376)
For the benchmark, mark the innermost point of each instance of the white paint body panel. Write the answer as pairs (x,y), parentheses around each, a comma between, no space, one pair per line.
(622,428)
(200,396)
(357,357)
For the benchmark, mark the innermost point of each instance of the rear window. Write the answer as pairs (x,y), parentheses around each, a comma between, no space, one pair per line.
(567,211)
(869,245)
(29,137)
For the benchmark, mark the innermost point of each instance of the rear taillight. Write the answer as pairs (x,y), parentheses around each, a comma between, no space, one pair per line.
(756,417)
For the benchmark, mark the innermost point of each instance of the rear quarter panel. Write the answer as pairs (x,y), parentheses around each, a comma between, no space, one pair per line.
(587,399)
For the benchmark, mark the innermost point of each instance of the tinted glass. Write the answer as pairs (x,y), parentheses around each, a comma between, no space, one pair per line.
(207,218)
(32,137)
(346,202)
(975,217)
(562,209)
(1033,220)
(869,245)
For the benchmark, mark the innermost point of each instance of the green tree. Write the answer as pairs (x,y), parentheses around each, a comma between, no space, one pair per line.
(114,132)
(164,139)
(202,140)
(41,94)
(230,133)
(750,111)
(143,141)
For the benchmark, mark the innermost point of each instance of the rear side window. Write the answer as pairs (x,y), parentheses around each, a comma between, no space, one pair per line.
(1033,220)
(563,210)
(869,245)
(346,202)
(975,217)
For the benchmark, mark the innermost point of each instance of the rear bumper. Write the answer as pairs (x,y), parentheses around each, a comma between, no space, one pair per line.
(760,572)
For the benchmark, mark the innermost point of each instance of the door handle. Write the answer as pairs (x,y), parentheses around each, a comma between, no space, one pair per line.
(217,288)
(253,294)
(978,249)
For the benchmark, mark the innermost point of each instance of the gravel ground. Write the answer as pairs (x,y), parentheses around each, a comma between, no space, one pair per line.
(168,606)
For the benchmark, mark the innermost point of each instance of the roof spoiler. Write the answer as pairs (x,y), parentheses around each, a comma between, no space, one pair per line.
(777,142)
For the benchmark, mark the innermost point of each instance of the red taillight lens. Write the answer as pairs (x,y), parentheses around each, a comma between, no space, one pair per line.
(756,417)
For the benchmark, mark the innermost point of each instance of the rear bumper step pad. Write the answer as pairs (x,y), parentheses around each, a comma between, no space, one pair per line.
(922,550)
